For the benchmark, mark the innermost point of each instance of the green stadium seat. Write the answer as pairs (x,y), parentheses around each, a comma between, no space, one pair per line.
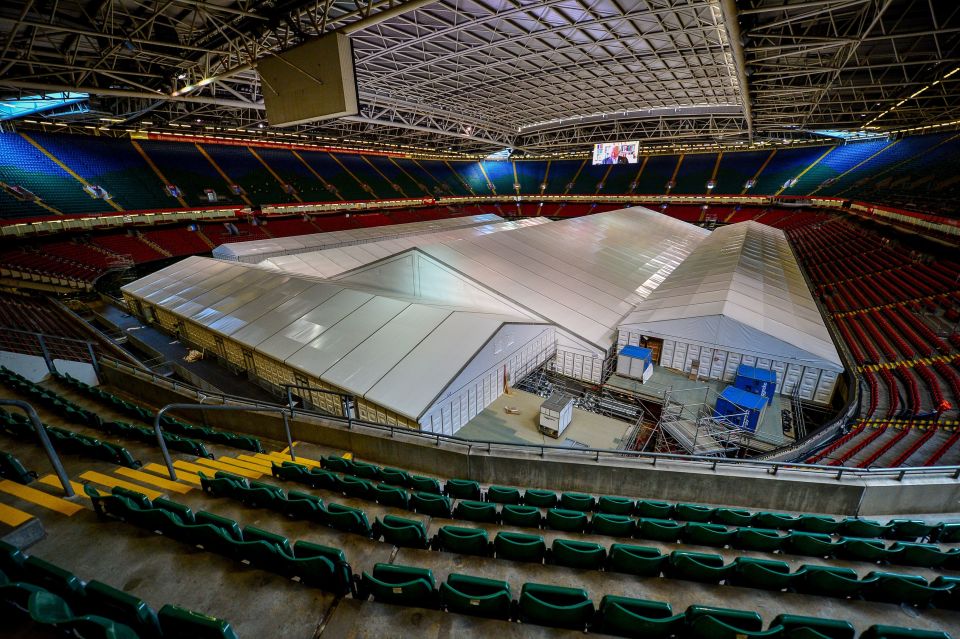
(465,541)
(628,617)
(462,489)
(949,599)
(802,627)
(424,484)
(401,532)
(504,495)
(577,501)
(898,588)
(481,511)
(49,609)
(339,581)
(395,476)
(387,495)
(830,581)
(365,470)
(635,560)
(812,544)
(759,539)
(911,529)
(872,550)
(693,512)
(895,632)
(856,527)
(62,583)
(659,529)
(11,560)
(947,533)
(707,622)
(520,547)
(348,519)
(539,498)
(357,487)
(923,555)
(261,495)
(401,585)
(578,554)
(431,504)
(698,566)
(763,573)
(179,623)
(707,534)
(555,606)
(818,524)
(304,506)
(476,596)
(615,505)
(182,511)
(337,464)
(11,468)
(324,479)
(228,526)
(654,509)
(732,517)
(223,484)
(780,521)
(522,516)
(612,525)
(566,520)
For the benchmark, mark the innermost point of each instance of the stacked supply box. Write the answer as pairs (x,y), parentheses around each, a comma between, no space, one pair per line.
(635,362)
(743,409)
(758,381)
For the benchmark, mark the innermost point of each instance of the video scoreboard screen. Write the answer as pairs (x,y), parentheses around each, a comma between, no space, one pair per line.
(615,153)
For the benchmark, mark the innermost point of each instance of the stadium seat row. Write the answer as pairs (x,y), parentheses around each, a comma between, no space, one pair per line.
(14,470)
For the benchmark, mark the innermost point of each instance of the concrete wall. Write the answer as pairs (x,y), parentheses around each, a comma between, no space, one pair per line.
(669,480)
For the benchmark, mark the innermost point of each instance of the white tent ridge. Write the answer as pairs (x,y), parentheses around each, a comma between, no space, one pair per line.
(740,297)
(255,251)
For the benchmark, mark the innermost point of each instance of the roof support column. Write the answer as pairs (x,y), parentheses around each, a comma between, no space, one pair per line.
(730,20)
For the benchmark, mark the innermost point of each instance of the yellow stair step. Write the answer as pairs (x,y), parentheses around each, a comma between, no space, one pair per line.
(153,480)
(303,461)
(40,498)
(54,481)
(112,482)
(262,463)
(239,463)
(208,466)
(158,469)
(12,516)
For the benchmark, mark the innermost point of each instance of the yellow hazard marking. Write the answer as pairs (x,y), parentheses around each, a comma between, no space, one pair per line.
(303,461)
(12,516)
(153,480)
(243,464)
(215,465)
(190,478)
(40,498)
(54,481)
(263,463)
(112,482)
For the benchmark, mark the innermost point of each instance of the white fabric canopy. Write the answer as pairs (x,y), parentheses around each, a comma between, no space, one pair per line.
(740,290)
(258,250)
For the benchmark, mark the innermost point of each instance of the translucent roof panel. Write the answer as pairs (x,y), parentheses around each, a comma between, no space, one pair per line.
(333,261)
(584,274)
(742,290)
(353,339)
(259,250)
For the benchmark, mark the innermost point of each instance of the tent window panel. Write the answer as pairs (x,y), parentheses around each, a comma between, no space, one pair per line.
(680,355)
(666,353)
(825,387)
(749,360)
(764,363)
(446,427)
(791,379)
(733,363)
(719,364)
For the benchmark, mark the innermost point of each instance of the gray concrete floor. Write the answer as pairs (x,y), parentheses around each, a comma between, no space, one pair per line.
(260,604)
(496,425)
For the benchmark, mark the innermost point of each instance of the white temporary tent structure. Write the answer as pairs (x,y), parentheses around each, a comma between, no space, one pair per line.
(406,362)
(583,274)
(258,250)
(334,261)
(740,298)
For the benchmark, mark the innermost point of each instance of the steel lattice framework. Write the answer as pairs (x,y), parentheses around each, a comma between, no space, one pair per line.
(474,76)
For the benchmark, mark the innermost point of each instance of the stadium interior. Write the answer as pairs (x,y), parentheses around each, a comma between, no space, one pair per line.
(633,318)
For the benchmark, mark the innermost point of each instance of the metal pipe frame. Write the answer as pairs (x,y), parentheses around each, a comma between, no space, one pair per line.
(204,407)
(44,437)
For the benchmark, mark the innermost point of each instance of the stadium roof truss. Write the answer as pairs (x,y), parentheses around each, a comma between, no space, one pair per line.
(475,76)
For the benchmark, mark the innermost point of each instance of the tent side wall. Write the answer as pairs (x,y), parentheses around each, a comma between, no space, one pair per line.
(815,384)
(270,373)
(517,347)
(578,361)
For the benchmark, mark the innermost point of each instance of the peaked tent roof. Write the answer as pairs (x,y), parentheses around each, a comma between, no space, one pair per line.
(740,288)
(583,274)
(394,352)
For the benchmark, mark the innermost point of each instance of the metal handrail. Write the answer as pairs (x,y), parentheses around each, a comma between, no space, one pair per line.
(163,445)
(44,441)
(772,467)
